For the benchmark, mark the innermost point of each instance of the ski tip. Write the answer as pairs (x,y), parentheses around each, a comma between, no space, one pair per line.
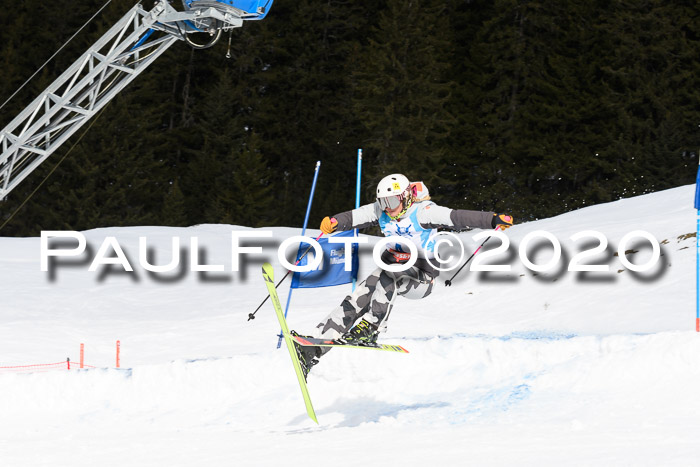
(398,348)
(312,416)
(267,270)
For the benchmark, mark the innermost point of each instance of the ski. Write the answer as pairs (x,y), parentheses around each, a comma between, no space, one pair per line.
(268,275)
(311,341)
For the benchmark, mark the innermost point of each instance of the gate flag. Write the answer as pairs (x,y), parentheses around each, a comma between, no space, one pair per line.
(332,269)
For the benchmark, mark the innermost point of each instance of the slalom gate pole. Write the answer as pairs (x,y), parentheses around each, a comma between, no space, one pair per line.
(357,200)
(697,252)
(252,315)
(303,231)
(448,282)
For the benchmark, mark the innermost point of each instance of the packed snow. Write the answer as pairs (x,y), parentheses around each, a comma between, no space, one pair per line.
(505,368)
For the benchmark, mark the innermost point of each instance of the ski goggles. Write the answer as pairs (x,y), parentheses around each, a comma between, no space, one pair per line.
(390,202)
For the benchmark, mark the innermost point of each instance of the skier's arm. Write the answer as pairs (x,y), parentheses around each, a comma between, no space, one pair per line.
(432,216)
(364,216)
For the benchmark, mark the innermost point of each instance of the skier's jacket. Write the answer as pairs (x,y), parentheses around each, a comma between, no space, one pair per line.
(418,224)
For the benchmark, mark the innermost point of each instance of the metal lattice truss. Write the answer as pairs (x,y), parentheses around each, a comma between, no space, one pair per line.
(93,80)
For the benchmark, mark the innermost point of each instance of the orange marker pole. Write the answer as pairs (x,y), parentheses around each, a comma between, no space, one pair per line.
(118,349)
(82,355)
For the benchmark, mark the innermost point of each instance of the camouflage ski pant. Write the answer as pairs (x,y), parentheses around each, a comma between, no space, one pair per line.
(373,299)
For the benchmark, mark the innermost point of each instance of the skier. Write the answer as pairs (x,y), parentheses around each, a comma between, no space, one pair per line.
(402,208)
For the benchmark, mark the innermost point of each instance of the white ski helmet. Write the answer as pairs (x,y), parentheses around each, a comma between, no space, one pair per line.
(393,190)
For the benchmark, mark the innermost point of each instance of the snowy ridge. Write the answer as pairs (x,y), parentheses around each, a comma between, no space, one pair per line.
(495,374)
(525,369)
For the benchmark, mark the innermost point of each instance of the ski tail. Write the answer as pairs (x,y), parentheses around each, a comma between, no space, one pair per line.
(268,275)
(314,342)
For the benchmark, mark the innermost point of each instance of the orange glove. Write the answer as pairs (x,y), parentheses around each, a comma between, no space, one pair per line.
(328,225)
(502,221)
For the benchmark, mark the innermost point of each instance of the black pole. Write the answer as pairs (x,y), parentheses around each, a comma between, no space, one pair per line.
(252,315)
(449,281)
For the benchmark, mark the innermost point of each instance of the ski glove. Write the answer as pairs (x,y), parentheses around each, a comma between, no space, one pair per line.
(502,221)
(328,225)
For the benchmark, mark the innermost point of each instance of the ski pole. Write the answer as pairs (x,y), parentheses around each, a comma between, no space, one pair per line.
(449,281)
(252,315)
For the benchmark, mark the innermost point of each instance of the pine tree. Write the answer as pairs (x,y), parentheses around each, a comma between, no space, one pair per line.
(174,213)
(293,82)
(246,197)
(651,82)
(401,88)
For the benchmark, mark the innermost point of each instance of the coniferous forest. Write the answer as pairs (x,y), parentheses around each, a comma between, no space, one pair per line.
(530,107)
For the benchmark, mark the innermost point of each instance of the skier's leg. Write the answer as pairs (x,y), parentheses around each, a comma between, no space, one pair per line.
(373,300)
(382,298)
(412,283)
(343,317)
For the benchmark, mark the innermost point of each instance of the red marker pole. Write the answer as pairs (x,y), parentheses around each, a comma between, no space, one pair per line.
(82,355)
(118,350)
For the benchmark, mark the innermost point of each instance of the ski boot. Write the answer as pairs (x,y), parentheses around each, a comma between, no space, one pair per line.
(364,333)
(307,355)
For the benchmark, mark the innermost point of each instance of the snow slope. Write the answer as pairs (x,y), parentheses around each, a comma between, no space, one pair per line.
(509,368)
